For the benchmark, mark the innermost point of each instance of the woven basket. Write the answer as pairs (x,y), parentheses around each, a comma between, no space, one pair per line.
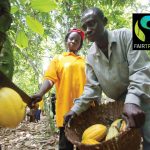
(104,114)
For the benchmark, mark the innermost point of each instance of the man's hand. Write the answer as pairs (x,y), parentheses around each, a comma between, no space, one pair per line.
(36,98)
(133,115)
(68,117)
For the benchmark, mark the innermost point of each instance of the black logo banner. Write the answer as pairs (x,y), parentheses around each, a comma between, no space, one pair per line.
(141,31)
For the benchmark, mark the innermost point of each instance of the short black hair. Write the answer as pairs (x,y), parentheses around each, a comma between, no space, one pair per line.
(66,38)
(96,11)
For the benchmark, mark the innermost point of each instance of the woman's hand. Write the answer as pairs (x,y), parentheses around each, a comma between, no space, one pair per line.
(36,98)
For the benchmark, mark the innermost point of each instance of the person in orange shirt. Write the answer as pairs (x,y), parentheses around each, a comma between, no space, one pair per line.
(67,72)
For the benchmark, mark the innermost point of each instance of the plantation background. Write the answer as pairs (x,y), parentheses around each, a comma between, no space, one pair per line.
(38,29)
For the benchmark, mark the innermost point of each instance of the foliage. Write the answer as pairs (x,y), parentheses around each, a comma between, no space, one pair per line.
(6,55)
(39,27)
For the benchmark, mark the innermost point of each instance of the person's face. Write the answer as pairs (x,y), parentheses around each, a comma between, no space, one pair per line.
(93,26)
(73,41)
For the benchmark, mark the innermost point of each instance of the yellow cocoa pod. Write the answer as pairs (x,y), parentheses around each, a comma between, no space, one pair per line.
(96,132)
(12,108)
(89,141)
(112,132)
(116,122)
(123,126)
(120,124)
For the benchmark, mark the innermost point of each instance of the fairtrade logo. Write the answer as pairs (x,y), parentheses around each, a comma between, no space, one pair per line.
(144,23)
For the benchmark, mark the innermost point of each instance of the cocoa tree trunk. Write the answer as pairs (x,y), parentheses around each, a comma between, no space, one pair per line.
(6,54)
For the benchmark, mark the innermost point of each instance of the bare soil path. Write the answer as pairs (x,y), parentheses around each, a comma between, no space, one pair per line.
(28,136)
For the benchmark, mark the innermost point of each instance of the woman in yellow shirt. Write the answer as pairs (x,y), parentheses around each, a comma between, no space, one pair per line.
(67,72)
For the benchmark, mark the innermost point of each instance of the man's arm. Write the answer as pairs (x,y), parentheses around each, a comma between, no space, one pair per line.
(139,83)
(6,82)
(139,74)
(92,91)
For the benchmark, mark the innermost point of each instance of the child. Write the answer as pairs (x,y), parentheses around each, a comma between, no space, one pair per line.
(31,114)
(67,72)
(37,113)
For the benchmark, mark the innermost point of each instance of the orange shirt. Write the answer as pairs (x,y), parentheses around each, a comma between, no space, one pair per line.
(67,71)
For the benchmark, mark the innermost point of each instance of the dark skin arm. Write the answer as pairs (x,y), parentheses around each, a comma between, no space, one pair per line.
(133,115)
(46,86)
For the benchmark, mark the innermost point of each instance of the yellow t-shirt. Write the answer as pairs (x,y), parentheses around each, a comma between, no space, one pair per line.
(67,71)
(41,104)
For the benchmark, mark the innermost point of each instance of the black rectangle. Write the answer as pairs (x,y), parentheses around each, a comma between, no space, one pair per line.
(141,31)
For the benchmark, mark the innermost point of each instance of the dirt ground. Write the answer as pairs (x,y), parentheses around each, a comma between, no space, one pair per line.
(28,136)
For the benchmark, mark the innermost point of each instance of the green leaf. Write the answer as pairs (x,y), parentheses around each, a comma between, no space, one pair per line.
(139,32)
(14,9)
(22,1)
(22,40)
(43,5)
(34,25)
